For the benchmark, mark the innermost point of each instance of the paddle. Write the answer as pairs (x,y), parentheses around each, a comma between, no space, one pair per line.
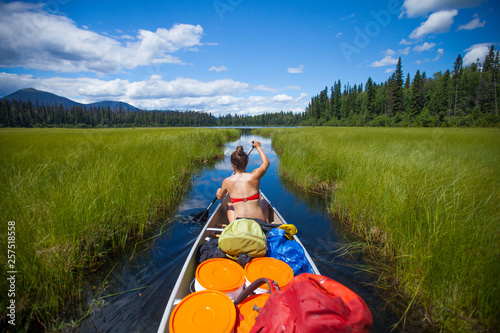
(203,216)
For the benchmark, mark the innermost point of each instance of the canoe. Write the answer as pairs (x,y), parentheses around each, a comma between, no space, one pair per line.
(213,226)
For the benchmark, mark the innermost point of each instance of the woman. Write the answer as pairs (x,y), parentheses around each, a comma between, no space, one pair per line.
(243,187)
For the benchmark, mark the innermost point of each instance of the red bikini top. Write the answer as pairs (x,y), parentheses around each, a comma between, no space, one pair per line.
(253,197)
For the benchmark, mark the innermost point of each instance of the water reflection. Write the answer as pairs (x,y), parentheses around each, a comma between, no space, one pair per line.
(140,284)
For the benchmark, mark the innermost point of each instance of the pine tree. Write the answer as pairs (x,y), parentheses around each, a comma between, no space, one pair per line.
(417,99)
(444,95)
(391,87)
(457,75)
(398,89)
(338,99)
(407,82)
(491,67)
(370,97)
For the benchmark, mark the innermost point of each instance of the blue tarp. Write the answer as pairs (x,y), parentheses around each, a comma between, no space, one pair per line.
(279,247)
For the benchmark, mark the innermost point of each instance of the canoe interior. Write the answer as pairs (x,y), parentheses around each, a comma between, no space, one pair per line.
(212,228)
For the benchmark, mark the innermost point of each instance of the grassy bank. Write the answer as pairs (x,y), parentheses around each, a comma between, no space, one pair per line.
(426,202)
(77,195)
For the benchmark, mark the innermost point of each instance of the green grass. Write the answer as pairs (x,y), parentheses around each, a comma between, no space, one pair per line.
(426,199)
(77,195)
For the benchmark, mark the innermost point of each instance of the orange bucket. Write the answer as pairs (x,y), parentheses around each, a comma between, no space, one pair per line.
(248,312)
(204,311)
(220,274)
(270,268)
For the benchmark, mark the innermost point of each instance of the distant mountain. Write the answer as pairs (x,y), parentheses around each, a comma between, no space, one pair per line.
(44,97)
(47,98)
(114,105)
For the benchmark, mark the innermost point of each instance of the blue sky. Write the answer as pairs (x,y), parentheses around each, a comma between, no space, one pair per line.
(231,56)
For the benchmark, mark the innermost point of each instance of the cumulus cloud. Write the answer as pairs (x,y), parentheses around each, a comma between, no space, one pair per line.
(474,24)
(405,51)
(415,8)
(218,69)
(436,23)
(405,42)
(218,96)
(388,52)
(282,98)
(440,52)
(424,47)
(388,60)
(182,87)
(34,38)
(476,51)
(296,70)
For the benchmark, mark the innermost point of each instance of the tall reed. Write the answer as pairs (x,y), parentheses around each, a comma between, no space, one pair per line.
(76,195)
(427,199)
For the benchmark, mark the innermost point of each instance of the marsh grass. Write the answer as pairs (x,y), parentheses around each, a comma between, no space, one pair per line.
(425,201)
(77,195)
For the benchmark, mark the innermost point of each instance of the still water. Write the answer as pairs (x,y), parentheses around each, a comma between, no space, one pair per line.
(139,284)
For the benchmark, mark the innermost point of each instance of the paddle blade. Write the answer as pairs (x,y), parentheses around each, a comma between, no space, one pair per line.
(201,217)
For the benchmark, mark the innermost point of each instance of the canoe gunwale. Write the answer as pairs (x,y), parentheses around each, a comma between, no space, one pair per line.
(172,300)
(210,227)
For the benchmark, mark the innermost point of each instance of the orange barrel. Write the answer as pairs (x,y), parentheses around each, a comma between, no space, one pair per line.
(204,311)
(249,310)
(270,268)
(220,274)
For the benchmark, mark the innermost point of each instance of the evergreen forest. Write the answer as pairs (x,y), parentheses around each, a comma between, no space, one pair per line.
(465,96)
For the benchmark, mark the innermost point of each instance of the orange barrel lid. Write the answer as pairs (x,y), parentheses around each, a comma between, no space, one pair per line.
(249,310)
(220,274)
(271,268)
(203,311)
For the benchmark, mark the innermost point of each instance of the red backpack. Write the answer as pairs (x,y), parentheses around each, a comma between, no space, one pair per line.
(313,303)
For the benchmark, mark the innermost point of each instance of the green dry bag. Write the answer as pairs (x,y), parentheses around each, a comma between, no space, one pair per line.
(243,236)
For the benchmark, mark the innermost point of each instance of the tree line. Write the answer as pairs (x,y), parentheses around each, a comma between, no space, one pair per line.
(465,96)
(17,113)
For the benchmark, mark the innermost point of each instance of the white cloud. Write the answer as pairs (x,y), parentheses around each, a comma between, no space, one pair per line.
(405,42)
(424,47)
(415,8)
(405,51)
(34,38)
(476,51)
(218,69)
(474,24)
(219,96)
(389,70)
(183,87)
(296,70)
(339,35)
(349,17)
(436,23)
(388,52)
(440,52)
(282,98)
(388,60)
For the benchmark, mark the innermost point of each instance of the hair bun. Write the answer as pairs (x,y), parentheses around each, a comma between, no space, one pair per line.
(240,150)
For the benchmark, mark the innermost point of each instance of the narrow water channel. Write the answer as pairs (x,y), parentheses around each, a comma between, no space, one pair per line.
(139,285)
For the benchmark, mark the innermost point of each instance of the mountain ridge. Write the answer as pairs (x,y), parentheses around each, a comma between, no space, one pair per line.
(46,97)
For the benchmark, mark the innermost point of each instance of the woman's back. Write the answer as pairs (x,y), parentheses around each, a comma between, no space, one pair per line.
(243,187)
